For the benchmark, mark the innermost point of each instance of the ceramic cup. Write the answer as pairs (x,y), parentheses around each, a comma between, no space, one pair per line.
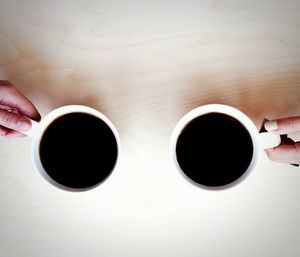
(260,141)
(38,129)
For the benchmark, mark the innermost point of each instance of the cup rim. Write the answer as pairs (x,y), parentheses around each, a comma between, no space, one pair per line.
(46,121)
(215,108)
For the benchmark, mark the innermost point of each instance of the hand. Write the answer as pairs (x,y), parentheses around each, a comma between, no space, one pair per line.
(14,110)
(288,152)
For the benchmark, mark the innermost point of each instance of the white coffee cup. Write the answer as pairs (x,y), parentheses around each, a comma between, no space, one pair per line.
(38,129)
(260,140)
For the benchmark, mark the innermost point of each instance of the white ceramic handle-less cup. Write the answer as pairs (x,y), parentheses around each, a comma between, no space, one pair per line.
(260,140)
(38,128)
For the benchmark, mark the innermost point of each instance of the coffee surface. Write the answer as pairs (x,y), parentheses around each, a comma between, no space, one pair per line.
(214,149)
(78,150)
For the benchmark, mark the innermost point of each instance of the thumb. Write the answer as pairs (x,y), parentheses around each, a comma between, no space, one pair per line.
(285,153)
(14,121)
(283,126)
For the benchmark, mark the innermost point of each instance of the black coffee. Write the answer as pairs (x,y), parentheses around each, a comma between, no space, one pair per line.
(78,150)
(214,149)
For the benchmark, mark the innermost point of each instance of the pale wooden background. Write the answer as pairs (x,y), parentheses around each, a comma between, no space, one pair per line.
(145,64)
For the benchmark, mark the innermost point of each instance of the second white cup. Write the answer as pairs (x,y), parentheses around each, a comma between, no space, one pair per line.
(216,146)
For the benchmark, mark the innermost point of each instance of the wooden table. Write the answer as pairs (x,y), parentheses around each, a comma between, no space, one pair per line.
(145,64)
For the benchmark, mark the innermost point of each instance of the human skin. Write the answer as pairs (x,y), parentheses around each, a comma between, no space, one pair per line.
(285,153)
(15,109)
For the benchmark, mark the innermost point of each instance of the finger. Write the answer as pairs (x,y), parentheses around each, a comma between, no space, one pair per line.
(12,97)
(14,121)
(283,126)
(285,153)
(5,132)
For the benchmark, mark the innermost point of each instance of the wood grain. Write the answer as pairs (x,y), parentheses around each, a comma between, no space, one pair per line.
(145,64)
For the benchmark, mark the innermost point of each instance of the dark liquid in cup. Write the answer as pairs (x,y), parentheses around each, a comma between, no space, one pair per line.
(214,149)
(78,150)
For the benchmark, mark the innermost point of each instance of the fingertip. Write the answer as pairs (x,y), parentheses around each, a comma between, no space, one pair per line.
(14,134)
(10,133)
(33,114)
(284,153)
(284,125)
(38,117)
(24,124)
(269,153)
(271,125)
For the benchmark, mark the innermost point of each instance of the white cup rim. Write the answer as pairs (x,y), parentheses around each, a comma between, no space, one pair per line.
(46,121)
(216,108)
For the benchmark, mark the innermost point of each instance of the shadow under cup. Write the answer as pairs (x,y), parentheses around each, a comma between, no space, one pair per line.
(77,151)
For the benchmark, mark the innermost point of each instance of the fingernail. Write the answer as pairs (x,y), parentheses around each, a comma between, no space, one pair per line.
(271,125)
(24,124)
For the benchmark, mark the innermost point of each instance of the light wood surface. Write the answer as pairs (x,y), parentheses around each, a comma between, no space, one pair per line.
(145,64)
